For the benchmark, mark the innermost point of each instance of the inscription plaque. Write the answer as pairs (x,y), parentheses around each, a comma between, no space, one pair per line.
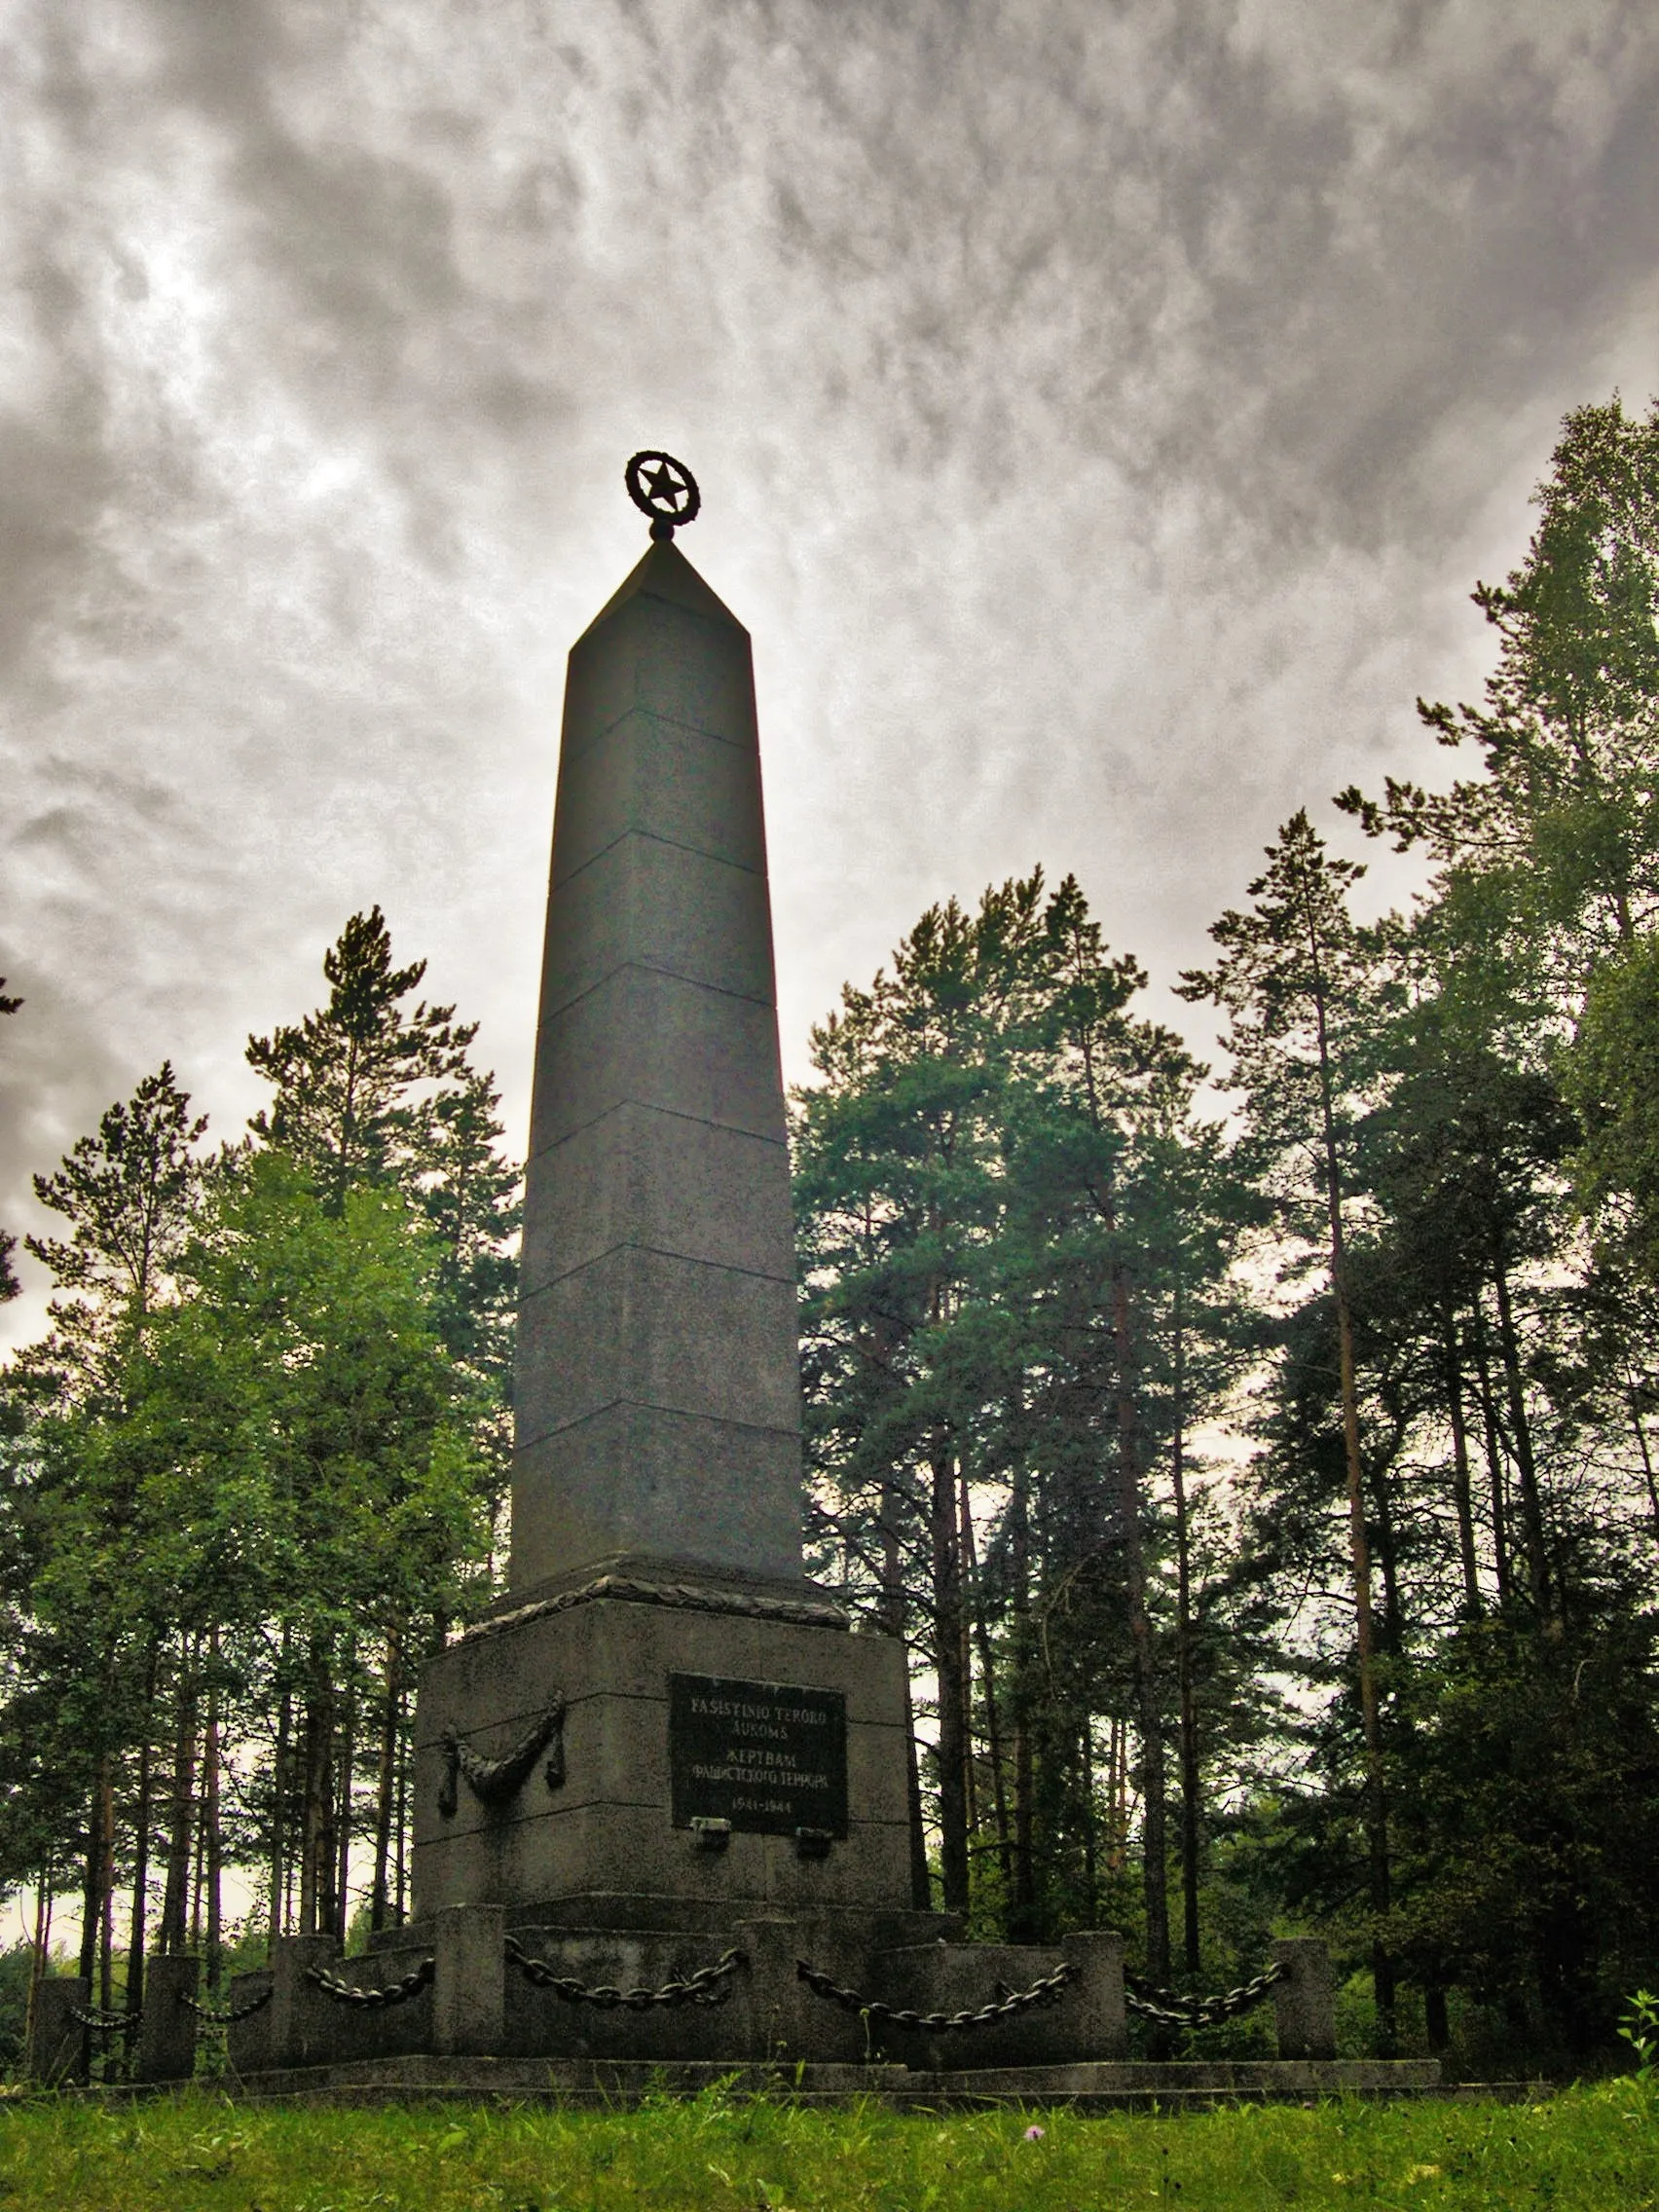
(766,1756)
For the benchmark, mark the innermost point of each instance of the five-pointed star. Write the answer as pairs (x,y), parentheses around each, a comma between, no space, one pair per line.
(662,485)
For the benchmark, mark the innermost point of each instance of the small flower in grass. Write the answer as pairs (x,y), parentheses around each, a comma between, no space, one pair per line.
(1035,2134)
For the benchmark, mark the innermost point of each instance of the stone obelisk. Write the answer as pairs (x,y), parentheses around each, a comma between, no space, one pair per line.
(656,1391)
(663,1722)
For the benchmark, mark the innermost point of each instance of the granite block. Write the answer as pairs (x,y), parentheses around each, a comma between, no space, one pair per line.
(668,658)
(648,1328)
(647,903)
(653,1039)
(666,1182)
(660,779)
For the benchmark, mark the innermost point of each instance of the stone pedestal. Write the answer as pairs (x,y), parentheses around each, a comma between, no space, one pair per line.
(166,2035)
(600,1847)
(470,1981)
(1099,2018)
(58,2041)
(1304,1999)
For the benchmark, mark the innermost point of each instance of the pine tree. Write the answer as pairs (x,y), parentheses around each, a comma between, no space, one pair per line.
(1295,978)
(354,1081)
(8,1284)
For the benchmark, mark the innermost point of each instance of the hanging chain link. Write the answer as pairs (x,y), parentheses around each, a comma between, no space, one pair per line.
(1045,1992)
(394,1992)
(230,2014)
(1167,2008)
(708,1985)
(105,2023)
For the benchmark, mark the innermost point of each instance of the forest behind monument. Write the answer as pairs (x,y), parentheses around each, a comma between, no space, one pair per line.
(1262,1476)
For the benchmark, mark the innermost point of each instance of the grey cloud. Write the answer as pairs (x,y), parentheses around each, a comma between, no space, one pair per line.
(1102,412)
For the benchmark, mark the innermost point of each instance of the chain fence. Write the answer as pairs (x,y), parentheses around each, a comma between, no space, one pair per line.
(708,1985)
(1047,1991)
(105,2023)
(226,2016)
(1167,2008)
(371,1999)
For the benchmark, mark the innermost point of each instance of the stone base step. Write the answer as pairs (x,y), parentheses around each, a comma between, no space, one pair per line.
(1102,2086)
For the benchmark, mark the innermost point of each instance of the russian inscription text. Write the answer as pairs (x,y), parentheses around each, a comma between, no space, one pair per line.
(769,1757)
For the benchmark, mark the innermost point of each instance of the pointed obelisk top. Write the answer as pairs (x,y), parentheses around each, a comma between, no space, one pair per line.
(666,573)
(657,1394)
(666,489)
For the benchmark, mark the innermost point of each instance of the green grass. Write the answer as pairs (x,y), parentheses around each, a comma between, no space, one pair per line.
(1588,2147)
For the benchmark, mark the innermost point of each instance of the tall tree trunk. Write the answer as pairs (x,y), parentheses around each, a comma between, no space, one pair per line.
(279,1793)
(987,1674)
(893,1611)
(175,1893)
(1359,1543)
(1154,1849)
(400,1909)
(138,1934)
(1024,1923)
(952,1748)
(1520,1436)
(212,1833)
(106,1893)
(316,1804)
(91,1900)
(1635,1405)
(42,1945)
(1184,1656)
(385,1779)
(343,1816)
(1493,1451)
(1091,1846)
(1462,1490)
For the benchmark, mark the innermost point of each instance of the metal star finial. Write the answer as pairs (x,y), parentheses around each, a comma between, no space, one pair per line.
(664,489)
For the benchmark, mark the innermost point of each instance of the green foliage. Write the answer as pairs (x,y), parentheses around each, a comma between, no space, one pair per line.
(1640,2028)
(1588,2151)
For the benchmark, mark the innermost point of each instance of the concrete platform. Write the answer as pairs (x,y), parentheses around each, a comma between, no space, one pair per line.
(1102,2086)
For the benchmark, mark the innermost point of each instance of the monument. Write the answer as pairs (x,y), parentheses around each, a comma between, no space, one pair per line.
(660,1791)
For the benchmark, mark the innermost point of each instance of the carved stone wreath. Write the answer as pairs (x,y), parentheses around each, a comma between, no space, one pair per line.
(494,1781)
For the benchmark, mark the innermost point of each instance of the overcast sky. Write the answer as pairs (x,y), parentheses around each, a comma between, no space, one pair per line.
(1102,412)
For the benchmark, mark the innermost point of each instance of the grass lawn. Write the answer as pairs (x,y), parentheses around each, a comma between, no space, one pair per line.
(1588,2147)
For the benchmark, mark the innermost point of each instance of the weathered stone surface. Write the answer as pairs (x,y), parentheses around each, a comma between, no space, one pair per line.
(311,2028)
(657,1394)
(618,2084)
(643,902)
(1305,2000)
(57,2045)
(964,1978)
(659,779)
(470,1985)
(608,1824)
(248,2041)
(679,1184)
(167,2036)
(1099,2021)
(644,1450)
(644,1037)
(643,1328)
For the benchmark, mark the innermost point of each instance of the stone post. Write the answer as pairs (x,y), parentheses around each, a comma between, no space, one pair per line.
(294,2000)
(1304,1999)
(1094,2002)
(166,2034)
(470,1981)
(778,2027)
(248,2041)
(58,2041)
